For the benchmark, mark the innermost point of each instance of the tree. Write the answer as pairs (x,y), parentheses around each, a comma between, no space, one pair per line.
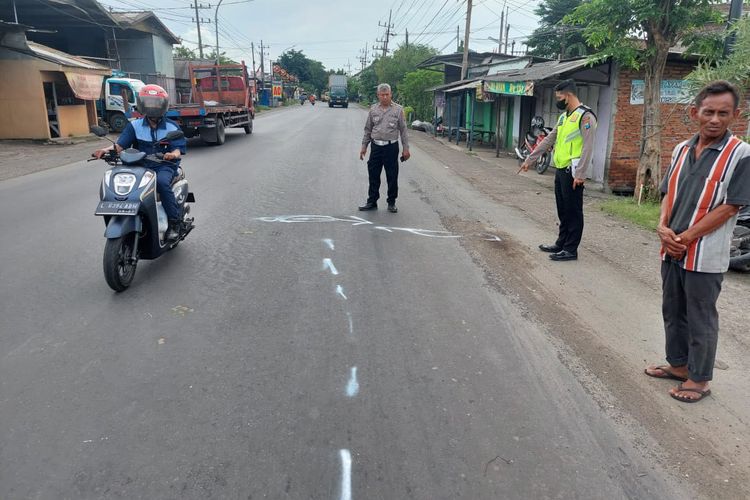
(392,69)
(734,68)
(223,59)
(639,34)
(412,92)
(312,75)
(552,38)
(181,52)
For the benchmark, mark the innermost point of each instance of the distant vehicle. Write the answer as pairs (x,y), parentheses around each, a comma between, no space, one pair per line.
(337,91)
(218,102)
(111,108)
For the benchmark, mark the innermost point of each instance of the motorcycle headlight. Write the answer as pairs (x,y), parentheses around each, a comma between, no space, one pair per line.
(123,183)
(147,177)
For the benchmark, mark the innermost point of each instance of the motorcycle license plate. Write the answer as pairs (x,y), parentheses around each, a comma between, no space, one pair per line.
(117,208)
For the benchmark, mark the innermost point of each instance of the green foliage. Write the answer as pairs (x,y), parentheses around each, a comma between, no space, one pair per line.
(552,35)
(393,69)
(367,84)
(312,75)
(181,52)
(619,28)
(645,215)
(412,93)
(734,68)
(223,59)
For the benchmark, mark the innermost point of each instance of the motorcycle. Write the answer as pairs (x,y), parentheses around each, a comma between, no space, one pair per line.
(135,220)
(739,252)
(533,138)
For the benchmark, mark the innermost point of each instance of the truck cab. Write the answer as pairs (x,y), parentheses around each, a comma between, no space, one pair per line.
(338,96)
(112,109)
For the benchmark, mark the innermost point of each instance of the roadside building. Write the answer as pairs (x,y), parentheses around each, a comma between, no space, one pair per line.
(45,93)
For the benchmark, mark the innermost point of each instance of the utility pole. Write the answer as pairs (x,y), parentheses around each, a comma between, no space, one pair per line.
(216,21)
(255,76)
(502,28)
(407,38)
(262,68)
(458,38)
(513,48)
(735,12)
(198,21)
(507,31)
(465,63)
(388,27)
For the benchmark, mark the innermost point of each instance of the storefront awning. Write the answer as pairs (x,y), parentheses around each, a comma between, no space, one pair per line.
(86,86)
(509,88)
(466,86)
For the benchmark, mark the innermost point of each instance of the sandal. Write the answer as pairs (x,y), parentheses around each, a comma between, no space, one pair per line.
(667,373)
(683,399)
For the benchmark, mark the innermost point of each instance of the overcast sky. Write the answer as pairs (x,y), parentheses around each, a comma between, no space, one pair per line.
(335,32)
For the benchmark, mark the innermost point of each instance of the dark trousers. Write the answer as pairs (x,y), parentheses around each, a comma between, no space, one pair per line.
(691,321)
(383,156)
(164,176)
(569,211)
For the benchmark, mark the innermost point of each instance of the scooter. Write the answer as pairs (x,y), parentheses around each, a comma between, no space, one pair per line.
(533,138)
(135,220)
(739,252)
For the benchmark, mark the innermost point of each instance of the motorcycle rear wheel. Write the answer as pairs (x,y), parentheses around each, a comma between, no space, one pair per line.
(119,262)
(543,163)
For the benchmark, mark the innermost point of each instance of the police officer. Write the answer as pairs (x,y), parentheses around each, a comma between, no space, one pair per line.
(385,123)
(143,134)
(573,137)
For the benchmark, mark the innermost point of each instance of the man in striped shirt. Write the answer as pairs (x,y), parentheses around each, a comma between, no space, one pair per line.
(707,183)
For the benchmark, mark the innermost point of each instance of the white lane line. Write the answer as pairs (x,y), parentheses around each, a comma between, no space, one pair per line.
(346,474)
(352,388)
(329,242)
(328,264)
(340,291)
(351,323)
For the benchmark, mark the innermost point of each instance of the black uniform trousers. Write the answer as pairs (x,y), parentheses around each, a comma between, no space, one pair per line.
(383,156)
(569,210)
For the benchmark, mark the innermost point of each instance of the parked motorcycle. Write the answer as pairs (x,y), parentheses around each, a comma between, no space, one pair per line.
(739,252)
(135,220)
(534,137)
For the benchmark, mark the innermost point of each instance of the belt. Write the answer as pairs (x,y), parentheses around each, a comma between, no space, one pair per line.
(383,143)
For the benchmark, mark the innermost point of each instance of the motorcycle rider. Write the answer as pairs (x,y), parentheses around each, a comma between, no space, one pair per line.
(144,134)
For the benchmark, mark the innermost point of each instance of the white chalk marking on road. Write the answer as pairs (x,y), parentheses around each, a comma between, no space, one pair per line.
(351,323)
(329,242)
(340,291)
(426,232)
(384,229)
(361,220)
(346,474)
(328,264)
(352,388)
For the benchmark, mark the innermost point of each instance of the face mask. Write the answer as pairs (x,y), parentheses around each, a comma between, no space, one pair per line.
(561,104)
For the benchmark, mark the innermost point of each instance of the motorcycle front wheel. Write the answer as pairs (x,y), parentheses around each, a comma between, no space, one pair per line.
(543,163)
(119,262)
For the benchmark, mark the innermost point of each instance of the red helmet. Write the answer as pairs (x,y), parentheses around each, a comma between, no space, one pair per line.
(153,101)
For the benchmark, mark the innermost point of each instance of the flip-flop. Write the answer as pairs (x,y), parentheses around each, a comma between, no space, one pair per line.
(683,399)
(668,374)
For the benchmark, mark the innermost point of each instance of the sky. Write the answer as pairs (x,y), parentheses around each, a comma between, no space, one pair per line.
(336,32)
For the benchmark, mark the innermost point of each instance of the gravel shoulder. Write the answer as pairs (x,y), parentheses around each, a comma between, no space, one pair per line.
(603,312)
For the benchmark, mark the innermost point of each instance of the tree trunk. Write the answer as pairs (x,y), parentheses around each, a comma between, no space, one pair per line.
(649,163)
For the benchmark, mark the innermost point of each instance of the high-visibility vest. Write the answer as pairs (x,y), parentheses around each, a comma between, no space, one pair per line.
(569,142)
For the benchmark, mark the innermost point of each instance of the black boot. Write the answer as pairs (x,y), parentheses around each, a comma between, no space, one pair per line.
(173,230)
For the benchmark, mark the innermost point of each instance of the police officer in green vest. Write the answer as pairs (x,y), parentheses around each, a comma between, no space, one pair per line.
(573,138)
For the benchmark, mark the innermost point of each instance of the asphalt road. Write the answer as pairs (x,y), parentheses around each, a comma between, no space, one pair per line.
(286,349)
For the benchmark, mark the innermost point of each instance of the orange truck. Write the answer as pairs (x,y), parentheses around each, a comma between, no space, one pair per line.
(221,98)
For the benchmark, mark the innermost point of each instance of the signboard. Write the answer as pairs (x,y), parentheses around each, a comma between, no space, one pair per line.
(85,86)
(510,88)
(277,91)
(672,92)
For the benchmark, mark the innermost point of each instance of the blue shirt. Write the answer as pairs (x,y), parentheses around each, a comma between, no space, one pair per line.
(138,134)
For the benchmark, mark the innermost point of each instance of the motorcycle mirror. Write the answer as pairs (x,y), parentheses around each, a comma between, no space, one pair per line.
(98,131)
(173,135)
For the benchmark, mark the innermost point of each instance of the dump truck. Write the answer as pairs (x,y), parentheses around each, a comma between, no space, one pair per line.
(220,98)
(337,91)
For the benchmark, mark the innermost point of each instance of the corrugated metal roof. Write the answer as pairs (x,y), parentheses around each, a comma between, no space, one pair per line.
(537,72)
(63,59)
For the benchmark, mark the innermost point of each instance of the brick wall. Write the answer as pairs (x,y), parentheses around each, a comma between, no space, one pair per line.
(677,127)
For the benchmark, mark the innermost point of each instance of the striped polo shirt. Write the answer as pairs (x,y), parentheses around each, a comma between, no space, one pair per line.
(693,188)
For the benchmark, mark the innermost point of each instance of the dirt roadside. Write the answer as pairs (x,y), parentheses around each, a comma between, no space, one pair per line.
(602,312)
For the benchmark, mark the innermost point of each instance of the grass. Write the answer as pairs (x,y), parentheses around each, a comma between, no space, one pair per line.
(646,215)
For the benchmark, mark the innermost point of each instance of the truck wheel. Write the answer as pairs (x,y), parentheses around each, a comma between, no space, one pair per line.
(117,122)
(220,132)
(249,127)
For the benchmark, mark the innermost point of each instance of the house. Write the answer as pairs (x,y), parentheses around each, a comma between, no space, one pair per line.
(137,44)
(45,93)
